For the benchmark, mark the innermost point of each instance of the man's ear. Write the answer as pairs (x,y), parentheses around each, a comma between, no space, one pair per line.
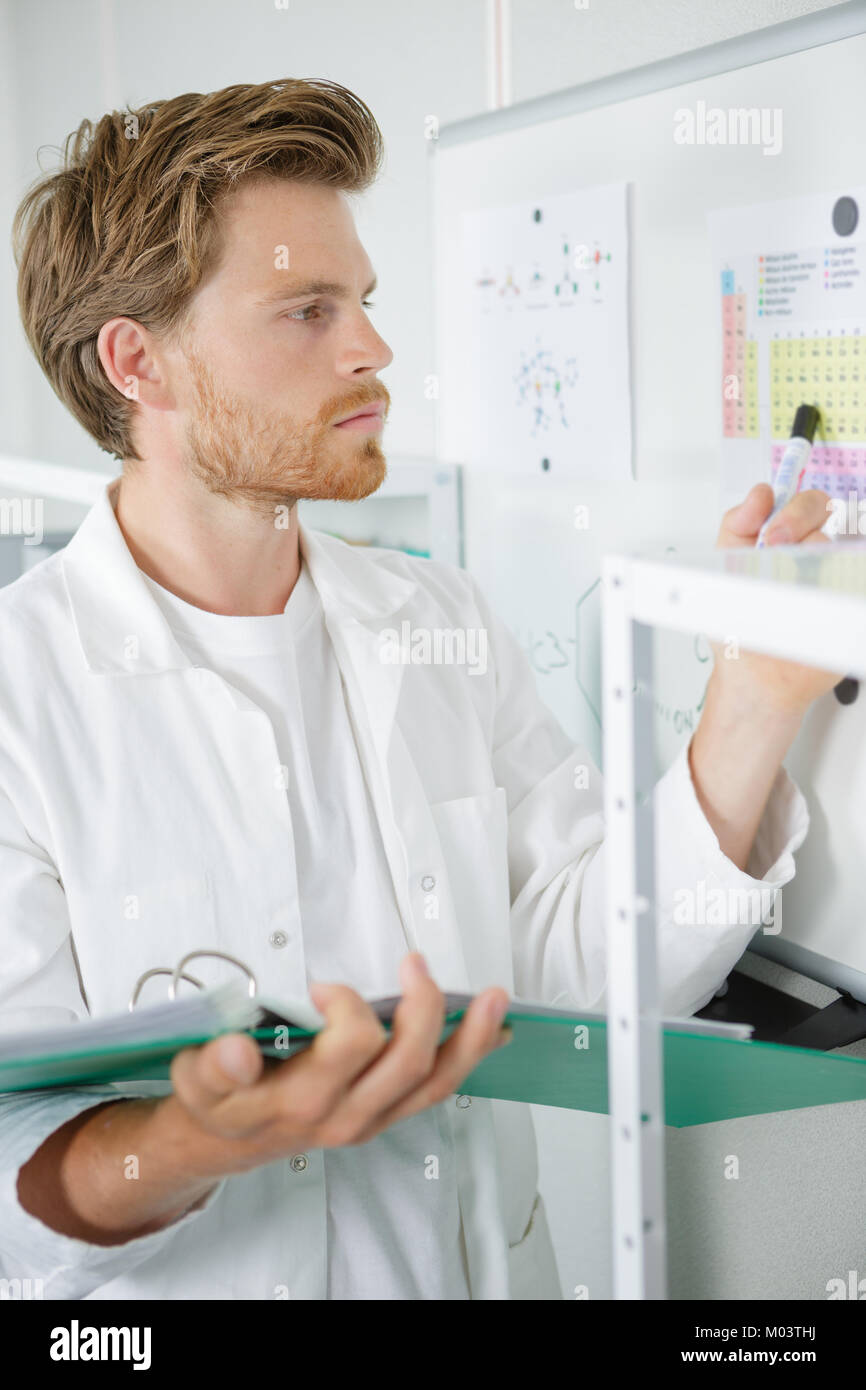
(131,361)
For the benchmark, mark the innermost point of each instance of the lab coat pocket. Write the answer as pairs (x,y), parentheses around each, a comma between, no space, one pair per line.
(473,835)
(532,1271)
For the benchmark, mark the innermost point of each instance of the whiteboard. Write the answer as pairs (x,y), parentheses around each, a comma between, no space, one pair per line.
(520,542)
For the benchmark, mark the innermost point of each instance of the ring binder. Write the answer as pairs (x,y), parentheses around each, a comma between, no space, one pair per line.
(178,973)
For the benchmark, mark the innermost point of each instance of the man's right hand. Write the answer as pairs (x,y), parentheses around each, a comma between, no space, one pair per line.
(352,1082)
(229,1113)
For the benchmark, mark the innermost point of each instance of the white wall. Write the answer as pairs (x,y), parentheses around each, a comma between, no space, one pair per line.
(14,420)
(781,1231)
(559,43)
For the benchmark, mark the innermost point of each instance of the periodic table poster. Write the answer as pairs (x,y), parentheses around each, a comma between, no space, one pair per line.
(791,279)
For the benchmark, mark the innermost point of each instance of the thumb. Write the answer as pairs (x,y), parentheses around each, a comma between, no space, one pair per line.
(235,1057)
(743,522)
(203,1076)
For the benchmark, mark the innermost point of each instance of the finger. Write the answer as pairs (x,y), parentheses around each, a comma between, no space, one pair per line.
(416,1028)
(742,523)
(806,512)
(310,1086)
(202,1077)
(479,1032)
(816,536)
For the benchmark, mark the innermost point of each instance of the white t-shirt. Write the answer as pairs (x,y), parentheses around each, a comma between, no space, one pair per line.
(393,1231)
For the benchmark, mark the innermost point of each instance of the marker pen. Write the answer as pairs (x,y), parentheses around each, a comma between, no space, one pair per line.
(794,461)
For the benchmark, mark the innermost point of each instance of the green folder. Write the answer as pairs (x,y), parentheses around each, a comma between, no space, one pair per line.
(706,1078)
(556,1057)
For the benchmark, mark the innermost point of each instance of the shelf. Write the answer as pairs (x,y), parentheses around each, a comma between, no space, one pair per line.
(803,603)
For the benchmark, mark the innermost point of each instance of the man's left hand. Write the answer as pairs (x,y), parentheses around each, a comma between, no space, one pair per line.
(783,685)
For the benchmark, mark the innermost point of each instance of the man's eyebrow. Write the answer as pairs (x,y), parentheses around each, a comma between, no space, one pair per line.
(298,289)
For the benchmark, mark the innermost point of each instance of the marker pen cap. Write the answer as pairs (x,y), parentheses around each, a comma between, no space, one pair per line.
(806,422)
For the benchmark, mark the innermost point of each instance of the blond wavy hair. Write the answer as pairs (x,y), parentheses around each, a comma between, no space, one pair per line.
(127,226)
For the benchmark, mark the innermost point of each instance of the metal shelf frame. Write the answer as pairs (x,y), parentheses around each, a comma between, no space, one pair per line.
(802,603)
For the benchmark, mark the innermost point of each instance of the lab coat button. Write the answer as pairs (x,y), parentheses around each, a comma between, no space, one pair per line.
(298,1163)
(428,883)
(463,1101)
(278,939)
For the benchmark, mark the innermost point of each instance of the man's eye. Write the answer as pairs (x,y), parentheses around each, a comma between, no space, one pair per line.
(314,309)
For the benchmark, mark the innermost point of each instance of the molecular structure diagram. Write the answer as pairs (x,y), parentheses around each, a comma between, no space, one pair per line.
(541,385)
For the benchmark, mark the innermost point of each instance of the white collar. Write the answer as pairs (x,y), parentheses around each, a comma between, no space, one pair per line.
(122,629)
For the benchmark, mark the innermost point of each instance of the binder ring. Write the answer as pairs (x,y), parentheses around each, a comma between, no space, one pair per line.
(158,970)
(177,973)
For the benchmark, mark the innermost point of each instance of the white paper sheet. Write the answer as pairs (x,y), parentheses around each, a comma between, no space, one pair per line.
(547,350)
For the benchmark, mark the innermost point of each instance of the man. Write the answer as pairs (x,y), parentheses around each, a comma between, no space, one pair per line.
(201,746)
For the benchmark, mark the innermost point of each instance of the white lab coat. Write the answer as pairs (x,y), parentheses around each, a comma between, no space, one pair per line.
(141,817)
